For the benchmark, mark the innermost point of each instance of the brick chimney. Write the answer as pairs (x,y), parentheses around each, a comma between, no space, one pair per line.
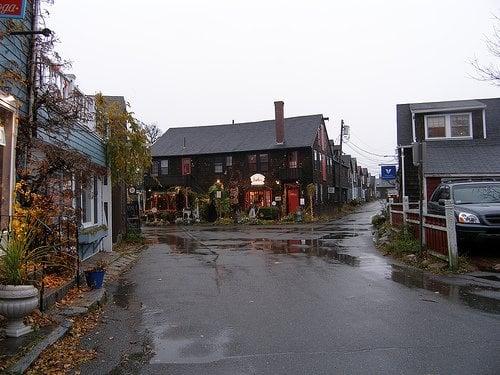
(279,122)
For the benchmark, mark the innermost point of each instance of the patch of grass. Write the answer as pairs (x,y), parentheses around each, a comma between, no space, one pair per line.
(402,242)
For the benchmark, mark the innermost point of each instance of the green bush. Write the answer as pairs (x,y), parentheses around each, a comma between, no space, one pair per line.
(268,213)
(134,236)
(403,242)
(378,220)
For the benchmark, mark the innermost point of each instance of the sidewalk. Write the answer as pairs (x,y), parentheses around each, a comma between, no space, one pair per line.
(17,354)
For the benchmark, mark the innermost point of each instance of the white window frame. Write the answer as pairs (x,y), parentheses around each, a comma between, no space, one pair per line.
(90,186)
(447,126)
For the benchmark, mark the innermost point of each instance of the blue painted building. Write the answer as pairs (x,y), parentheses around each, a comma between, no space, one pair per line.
(93,198)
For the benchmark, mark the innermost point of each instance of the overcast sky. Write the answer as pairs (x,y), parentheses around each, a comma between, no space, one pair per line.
(185,62)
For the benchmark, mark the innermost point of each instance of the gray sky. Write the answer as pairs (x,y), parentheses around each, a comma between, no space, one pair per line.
(199,62)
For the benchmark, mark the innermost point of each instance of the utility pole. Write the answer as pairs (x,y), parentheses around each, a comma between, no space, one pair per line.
(341,136)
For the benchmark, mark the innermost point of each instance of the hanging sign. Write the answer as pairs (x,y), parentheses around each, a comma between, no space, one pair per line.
(257,179)
(13,8)
(388,172)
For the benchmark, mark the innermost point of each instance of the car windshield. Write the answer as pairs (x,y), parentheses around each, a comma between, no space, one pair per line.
(470,194)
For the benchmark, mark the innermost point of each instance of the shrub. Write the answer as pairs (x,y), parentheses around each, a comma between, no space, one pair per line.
(268,213)
(378,220)
(134,236)
(403,242)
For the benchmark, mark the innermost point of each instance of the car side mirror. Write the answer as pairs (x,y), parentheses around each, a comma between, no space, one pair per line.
(441,202)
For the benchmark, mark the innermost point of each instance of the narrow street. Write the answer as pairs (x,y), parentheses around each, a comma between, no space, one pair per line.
(297,299)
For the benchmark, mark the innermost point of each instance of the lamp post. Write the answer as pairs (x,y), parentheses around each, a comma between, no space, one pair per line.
(45,32)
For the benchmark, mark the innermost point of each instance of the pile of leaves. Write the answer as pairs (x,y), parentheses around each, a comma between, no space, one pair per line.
(66,355)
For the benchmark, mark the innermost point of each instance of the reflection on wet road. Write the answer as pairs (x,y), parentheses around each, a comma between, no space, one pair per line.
(296,299)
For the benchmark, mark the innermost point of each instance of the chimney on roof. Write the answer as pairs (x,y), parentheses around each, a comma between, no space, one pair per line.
(279,122)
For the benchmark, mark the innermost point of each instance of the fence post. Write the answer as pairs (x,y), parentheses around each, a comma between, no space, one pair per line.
(406,207)
(451,235)
(390,213)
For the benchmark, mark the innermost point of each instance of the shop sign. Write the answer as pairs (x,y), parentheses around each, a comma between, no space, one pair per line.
(257,179)
(12,8)
(277,199)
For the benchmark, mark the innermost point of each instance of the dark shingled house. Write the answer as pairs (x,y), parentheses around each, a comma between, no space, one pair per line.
(257,162)
(462,140)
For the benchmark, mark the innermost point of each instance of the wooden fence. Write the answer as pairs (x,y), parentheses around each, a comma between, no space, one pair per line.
(439,232)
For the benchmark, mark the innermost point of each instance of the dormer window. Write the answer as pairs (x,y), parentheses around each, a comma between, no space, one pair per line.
(454,126)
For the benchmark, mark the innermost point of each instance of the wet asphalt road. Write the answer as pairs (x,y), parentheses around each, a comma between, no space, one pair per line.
(292,300)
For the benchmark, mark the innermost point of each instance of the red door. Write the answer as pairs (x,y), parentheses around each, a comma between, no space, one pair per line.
(292,199)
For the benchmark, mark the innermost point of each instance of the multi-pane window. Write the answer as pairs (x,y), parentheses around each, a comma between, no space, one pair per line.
(252,163)
(218,166)
(154,168)
(436,127)
(164,167)
(264,162)
(458,125)
(229,161)
(186,166)
(292,159)
(86,202)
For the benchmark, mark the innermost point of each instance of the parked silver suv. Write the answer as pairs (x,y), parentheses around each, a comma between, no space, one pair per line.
(477,208)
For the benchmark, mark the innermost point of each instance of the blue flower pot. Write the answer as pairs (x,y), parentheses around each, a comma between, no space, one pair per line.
(94,279)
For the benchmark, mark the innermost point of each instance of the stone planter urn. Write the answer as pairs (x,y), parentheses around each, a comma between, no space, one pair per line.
(17,301)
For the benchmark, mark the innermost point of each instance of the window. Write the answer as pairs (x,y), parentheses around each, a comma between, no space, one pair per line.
(264,162)
(229,161)
(164,167)
(436,127)
(86,199)
(292,159)
(458,125)
(95,196)
(252,163)
(315,155)
(218,167)
(186,166)
(154,168)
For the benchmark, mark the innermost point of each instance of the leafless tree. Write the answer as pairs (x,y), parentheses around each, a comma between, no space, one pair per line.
(490,72)
(152,132)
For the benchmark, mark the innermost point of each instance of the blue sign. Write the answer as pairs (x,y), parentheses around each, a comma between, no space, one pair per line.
(388,172)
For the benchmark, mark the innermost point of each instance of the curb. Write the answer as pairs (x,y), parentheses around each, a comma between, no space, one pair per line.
(20,366)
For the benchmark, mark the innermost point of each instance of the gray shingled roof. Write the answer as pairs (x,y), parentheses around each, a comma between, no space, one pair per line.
(443,106)
(214,139)
(454,158)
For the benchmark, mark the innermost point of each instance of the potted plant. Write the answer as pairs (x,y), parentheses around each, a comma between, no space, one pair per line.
(95,275)
(18,297)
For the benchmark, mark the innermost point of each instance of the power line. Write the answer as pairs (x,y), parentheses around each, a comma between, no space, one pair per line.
(371,158)
(371,153)
(364,143)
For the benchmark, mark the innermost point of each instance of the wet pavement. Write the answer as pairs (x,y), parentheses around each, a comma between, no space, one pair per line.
(296,299)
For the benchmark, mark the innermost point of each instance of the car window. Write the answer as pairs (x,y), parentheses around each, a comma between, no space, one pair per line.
(436,194)
(470,194)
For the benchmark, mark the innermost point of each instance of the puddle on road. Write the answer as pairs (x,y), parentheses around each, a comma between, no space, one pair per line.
(480,298)
(181,344)
(123,294)
(471,296)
